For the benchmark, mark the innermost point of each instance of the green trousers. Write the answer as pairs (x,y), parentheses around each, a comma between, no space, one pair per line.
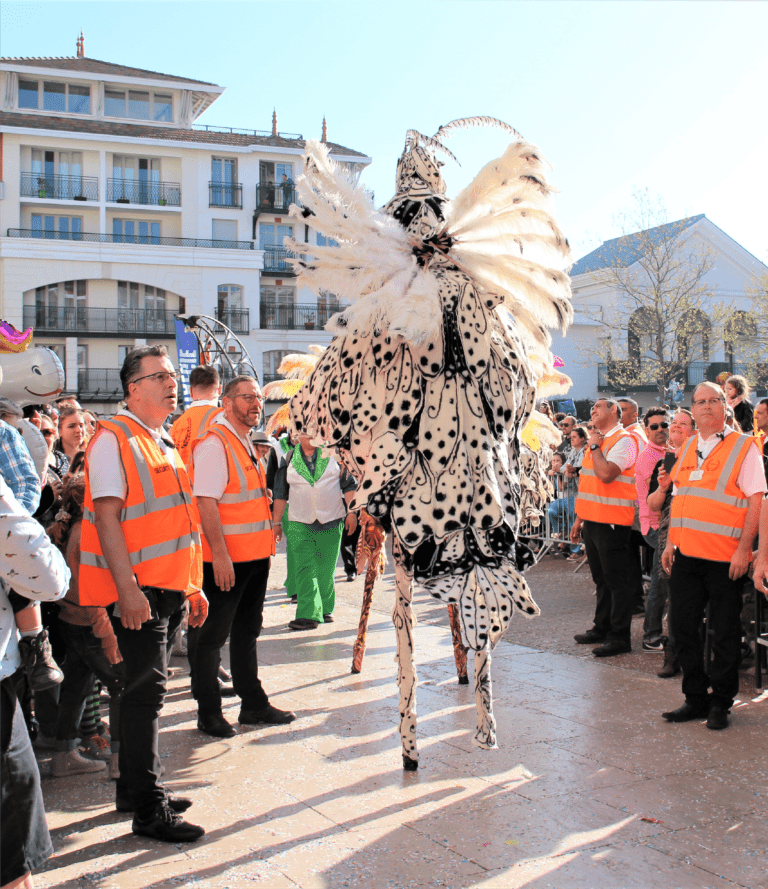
(312,557)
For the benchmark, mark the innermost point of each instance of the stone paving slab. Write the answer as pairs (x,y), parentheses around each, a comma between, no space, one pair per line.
(590,788)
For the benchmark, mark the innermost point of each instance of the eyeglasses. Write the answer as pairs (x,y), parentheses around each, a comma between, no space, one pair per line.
(49,433)
(248,399)
(708,401)
(655,426)
(160,377)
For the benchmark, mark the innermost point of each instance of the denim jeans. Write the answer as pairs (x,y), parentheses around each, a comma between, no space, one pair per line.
(145,658)
(657,594)
(238,614)
(85,660)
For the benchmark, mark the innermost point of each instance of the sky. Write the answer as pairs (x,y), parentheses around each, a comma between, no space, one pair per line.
(619,95)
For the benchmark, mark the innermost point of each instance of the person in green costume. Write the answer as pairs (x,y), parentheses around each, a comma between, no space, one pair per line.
(317,492)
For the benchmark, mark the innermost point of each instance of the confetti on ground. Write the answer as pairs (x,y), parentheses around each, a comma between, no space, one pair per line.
(511,842)
(651,820)
(486,844)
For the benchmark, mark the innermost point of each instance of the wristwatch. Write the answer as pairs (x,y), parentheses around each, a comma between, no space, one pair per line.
(594,447)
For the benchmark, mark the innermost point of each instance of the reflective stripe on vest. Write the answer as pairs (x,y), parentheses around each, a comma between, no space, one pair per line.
(244,512)
(159,520)
(192,425)
(612,503)
(707,516)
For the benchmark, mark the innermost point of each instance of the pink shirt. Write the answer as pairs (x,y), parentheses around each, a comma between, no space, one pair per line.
(643,470)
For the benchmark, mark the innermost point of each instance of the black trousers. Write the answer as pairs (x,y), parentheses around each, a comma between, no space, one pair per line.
(238,614)
(614,572)
(349,549)
(693,584)
(145,663)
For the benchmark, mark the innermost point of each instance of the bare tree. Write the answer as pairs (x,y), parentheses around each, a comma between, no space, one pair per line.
(661,316)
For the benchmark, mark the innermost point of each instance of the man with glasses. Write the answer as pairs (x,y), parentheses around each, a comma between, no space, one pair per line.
(141,558)
(567,425)
(238,543)
(657,432)
(718,485)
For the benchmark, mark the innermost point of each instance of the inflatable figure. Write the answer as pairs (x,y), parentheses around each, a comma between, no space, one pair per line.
(432,375)
(33,376)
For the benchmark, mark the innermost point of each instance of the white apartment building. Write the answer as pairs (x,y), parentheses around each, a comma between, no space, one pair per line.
(118,212)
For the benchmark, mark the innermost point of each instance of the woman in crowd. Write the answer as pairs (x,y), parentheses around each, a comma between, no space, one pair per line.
(71,438)
(571,471)
(737,396)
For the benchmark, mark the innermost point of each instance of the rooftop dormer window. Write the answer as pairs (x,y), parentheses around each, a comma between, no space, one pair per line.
(53,95)
(138,105)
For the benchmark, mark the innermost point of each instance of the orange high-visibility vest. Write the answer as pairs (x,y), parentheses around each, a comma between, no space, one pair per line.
(190,426)
(244,510)
(707,515)
(612,503)
(638,434)
(159,520)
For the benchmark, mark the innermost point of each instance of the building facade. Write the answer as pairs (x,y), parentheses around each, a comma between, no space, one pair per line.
(118,212)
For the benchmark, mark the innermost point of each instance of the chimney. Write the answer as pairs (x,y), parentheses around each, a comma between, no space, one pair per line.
(324,137)
(81,46)
(274,122)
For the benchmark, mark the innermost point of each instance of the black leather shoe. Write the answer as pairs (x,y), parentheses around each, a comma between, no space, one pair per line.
(589,637)
(718,717)
(351,576)
(165,824)
(303,623)
(268,716)
(611,648)
(687,712)
(327,618)
(215,725)
(177,803)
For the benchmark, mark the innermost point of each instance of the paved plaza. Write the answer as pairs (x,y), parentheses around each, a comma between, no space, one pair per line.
(589,788)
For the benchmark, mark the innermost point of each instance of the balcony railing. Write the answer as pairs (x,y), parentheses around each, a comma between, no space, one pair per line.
(89,321)
(66,188)
(696,372)
(154,240)
(129,191)
(237,320)
(261,133)
(274,198)
(294,317)
(225,194)
(276,261)
(99,384)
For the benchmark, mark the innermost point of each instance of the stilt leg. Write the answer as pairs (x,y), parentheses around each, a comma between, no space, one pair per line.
(459,649)
(485,736)
(358,652)
(402,617)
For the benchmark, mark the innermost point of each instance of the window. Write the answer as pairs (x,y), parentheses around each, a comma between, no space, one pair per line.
(135,179)
(58,228)
(693,333)
(229,308)
(59,349)
(141,309)
(138,105)
(271,242)
(225,190)
(61,305)
(277,307)
(82,357)
(57,174)
(322,241)
(272,361)
(122,354)
(135,231)
(739,332)
(73,98)
(224,229)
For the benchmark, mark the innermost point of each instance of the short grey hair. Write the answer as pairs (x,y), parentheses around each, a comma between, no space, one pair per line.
(132,365)
(611,402)
(230,387)
(631,401)
(708,385)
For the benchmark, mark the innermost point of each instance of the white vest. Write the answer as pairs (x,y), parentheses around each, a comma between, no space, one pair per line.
(321,502)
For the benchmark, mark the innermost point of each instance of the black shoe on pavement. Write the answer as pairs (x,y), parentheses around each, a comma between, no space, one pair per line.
(611,648)
(165,824)
(37,660)
(268,716)
(589,637)
(653,646)
(327,618)
(718,717)
(215,725)
(294,599)
(303,623)
(177,803)
(687,712)
(670,667)
(351,576)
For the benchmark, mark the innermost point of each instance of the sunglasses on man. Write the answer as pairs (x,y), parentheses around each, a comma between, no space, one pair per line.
(654,426)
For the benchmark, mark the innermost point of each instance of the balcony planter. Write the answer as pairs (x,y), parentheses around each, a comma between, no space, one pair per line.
(42,193)
(309,325)
(80,197)
(122,201)
(162,202)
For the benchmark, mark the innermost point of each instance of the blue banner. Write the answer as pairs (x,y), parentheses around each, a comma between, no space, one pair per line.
(189,358)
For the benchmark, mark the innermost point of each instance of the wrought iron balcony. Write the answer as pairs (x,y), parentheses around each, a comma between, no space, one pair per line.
(274,316)
(129,191)
(225,194)
(65,188)
(614,375)
(153,240)
(99,384)
(276,261)
(275,197)
(237,320)
(93,321)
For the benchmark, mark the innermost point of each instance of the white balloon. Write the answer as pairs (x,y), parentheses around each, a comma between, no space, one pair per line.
(36,445)
(34,376)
